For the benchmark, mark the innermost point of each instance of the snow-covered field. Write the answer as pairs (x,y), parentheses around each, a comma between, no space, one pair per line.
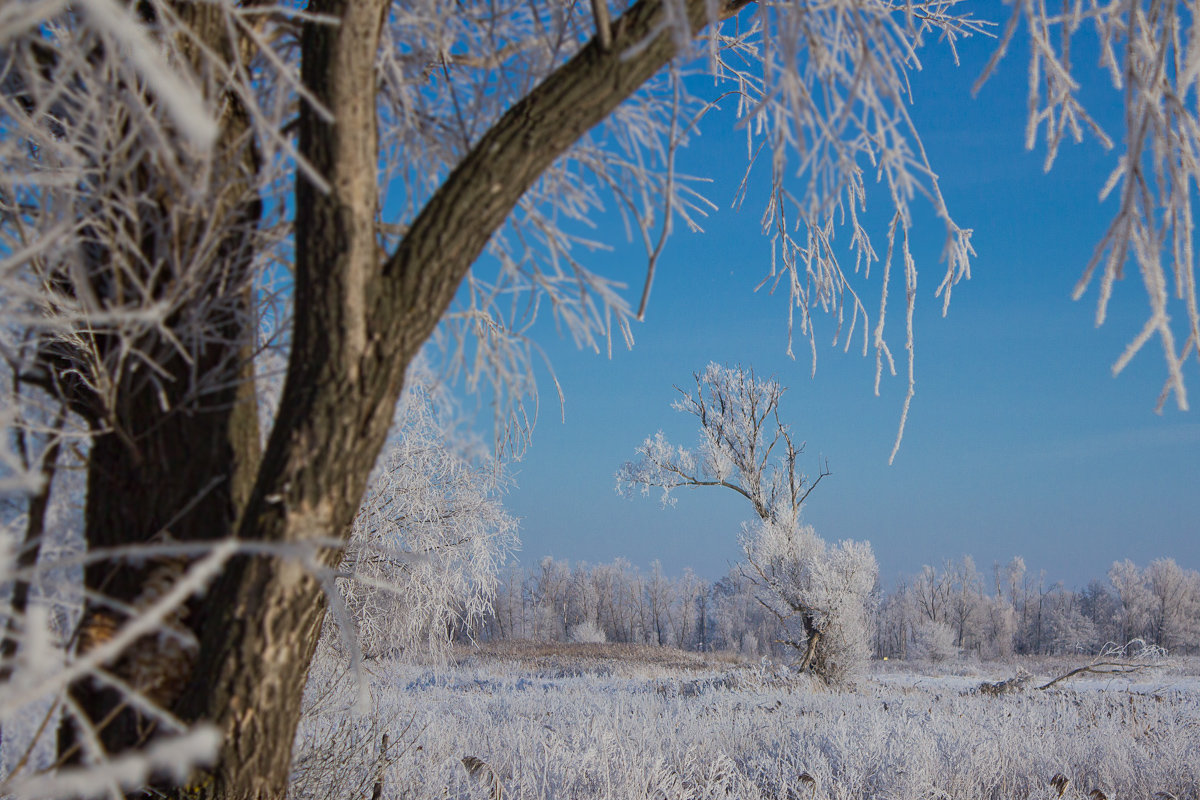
(609,721)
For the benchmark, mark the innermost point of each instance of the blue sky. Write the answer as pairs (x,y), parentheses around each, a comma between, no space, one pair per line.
(1020,442)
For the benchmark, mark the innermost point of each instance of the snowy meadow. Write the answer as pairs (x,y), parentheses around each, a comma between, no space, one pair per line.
(261,259)
(623,721)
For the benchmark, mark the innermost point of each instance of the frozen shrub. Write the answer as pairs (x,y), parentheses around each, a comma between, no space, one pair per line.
(586,632)
(431,535)
(933,641)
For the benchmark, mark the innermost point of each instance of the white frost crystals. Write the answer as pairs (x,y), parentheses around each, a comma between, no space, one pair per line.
(432,532)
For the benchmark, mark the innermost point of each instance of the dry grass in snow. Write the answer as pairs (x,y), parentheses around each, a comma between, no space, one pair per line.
(604,721)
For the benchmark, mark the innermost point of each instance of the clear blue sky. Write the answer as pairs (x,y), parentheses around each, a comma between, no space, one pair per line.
(1020,442)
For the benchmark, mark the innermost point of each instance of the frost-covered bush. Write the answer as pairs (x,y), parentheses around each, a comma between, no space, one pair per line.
(431,535)
(933,641)
(586,632)
(1070,631)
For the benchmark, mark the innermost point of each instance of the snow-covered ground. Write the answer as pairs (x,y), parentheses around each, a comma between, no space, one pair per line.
(584,725)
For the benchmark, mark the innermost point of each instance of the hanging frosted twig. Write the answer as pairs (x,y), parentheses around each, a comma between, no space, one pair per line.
(1150,51)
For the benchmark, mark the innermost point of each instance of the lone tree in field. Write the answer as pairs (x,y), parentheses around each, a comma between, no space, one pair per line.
(413,170)
(817,591)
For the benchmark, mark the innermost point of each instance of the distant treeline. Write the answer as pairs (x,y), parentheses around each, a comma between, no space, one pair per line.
(954,610)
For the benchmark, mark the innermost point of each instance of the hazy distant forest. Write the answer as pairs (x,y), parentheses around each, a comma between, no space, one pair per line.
(951,611)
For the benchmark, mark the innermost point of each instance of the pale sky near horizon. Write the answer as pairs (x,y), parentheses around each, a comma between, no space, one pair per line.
(1019,442)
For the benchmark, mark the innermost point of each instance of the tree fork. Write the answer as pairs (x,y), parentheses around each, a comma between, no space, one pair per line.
(359,322)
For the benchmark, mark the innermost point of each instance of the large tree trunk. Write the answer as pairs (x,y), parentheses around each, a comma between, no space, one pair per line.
(178,445)
(359,321)
(264,615)
(173,479)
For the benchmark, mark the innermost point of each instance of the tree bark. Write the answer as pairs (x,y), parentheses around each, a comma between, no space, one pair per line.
(174,457)
(359,321)
(813,644)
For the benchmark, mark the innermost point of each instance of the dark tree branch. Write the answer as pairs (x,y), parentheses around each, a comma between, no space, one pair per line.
(825,472)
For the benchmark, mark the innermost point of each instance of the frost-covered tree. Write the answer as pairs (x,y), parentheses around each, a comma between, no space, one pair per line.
(432,533)
(1175,608)
(422,170)
(820,592)
(953,596)
(895,617)
(606,579)
(658,604)
(740,623)
(1067,629)
(998,628)
(688,610)
(507,620)
(966,603)
(549,589)
(1136,601)
(744,446)
(1098,603)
